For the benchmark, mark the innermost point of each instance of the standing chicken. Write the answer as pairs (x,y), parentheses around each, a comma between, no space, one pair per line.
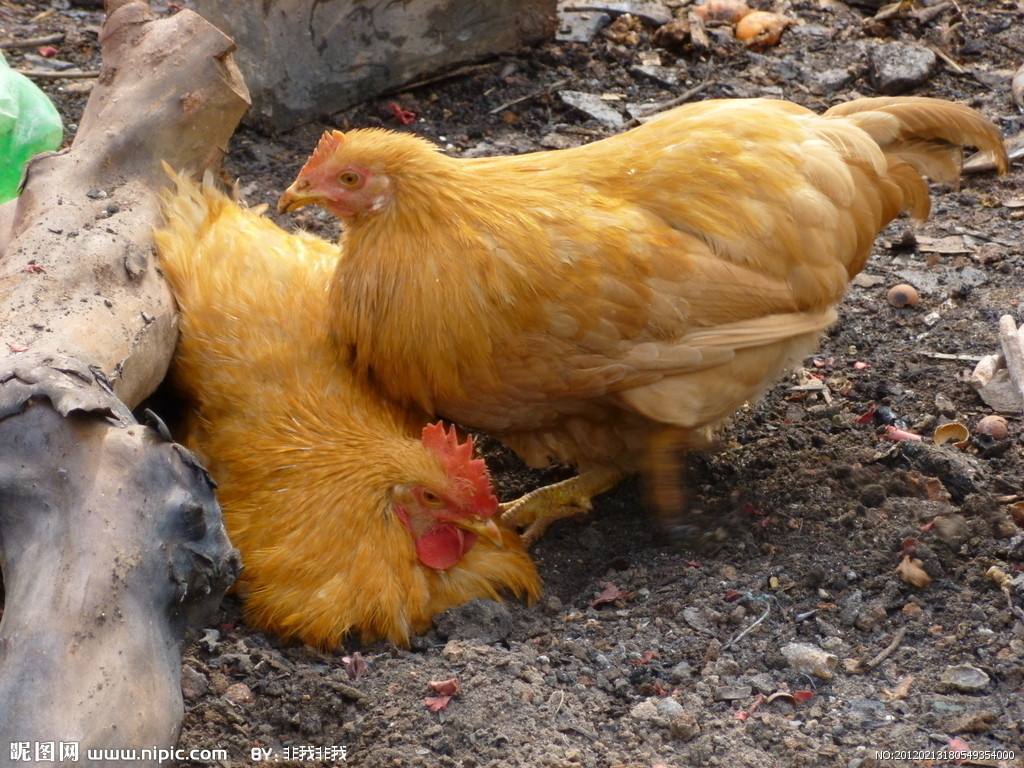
(350,515)
(609,304)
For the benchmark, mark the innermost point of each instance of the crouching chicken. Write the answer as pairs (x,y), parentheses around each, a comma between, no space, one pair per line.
(608,305)
(351,515)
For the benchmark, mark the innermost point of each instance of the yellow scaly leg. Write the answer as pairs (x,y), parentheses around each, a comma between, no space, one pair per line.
(540,508)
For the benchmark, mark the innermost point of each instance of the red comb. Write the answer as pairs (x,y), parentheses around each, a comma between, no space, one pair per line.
(457,459)
(325,148)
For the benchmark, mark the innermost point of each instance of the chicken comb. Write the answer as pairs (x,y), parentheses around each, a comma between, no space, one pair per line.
(457,460)
(325,149)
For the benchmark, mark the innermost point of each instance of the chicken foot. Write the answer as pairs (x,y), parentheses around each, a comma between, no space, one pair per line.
(540,508)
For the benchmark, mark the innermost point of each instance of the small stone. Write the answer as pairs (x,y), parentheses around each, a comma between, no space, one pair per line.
(239,693)
(811,660)
(732,692)
(899,67)
(680,672)
(193,683)
(864,280)
(645,710)
(666,76)
(556,140)
(952,530)
(965,678)
(829,81)
(580,27)
(981,721)
(945,406)
(593,107)
(870,617)
(669,708)
(685,726)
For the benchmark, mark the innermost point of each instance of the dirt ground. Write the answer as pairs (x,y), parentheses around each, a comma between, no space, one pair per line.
(797,524)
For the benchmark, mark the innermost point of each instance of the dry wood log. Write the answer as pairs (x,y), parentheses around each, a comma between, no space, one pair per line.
(110,538)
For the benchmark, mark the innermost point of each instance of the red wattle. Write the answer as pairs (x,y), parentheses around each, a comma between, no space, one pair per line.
(441,548)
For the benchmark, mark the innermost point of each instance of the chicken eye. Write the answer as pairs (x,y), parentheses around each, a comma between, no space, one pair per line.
(431,499)
(349,178)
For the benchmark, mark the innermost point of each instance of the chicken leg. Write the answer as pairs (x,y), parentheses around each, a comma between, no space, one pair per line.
(540,508)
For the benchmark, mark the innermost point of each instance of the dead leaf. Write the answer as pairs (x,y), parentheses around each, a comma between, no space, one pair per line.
(910,571)
(901,690)
(609,594)
(446,690)
(950,244)
(437,703)
(355,665)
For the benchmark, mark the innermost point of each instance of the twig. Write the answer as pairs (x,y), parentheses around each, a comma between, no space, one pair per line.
(887,651)
(662,106)
(528,97)
(348,691)
(749,629)
(948,356)
(32,42)
(950,62)
(467,70)
(69,74)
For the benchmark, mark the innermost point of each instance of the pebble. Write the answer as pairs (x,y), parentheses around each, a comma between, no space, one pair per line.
(732,692)
(669,708)
(592,106)
(666,76)
(849,606)
(870,616)
(239,693)
(193,683)
(810,659)
(965,678)
(645,710)
(685,726)
(829,81)
(580,27)
(952,530)
(899,67)
(945,406)
(680,672)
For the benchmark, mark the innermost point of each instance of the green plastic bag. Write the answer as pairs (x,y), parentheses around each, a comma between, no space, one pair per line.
(29,124)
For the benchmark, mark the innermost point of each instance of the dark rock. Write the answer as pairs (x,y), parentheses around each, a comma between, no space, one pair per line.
(483,620)
(580,26)
(898,67)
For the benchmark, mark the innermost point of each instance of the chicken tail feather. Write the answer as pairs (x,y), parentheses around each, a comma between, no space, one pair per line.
(928,134)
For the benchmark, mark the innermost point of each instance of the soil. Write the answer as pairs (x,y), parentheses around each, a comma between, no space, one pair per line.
(796,525)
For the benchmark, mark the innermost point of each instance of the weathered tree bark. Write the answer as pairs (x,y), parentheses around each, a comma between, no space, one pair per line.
(110,538)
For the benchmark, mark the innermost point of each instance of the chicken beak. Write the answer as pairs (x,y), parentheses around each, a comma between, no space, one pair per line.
(296,196)
(486,528)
